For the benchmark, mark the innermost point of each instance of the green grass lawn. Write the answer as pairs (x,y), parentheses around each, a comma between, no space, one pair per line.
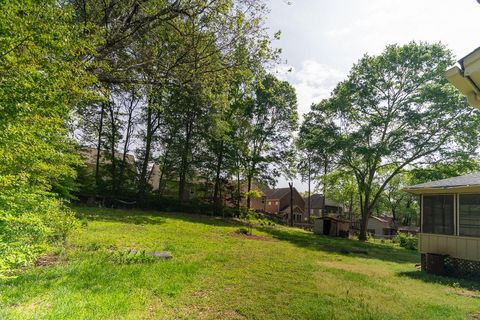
(215,273)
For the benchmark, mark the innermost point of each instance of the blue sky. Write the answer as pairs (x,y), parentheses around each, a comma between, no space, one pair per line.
(321,39)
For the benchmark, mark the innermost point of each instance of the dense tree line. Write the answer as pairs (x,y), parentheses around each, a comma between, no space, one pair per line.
(183,86)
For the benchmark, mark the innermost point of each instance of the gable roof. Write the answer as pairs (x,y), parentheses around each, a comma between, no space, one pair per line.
(296,209)
(316,201)
(468,180)
(379,219)
(277,193)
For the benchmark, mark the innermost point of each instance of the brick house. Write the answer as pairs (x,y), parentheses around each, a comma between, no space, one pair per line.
(277,201)
(318,206)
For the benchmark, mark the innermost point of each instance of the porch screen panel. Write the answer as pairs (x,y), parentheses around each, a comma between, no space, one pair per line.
(469,215)
(438,214)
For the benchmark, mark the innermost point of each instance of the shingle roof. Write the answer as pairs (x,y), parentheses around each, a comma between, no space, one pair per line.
(277,193)
(316,201)
(472,179)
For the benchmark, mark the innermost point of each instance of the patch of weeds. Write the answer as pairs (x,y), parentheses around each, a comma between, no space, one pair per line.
(244,231)
(94,246)
(83,220)
(131,257)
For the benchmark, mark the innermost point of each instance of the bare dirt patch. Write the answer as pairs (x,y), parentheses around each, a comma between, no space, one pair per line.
(48,260)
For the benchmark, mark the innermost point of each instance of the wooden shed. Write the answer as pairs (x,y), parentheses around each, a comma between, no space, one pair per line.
(332,226)
(450,224)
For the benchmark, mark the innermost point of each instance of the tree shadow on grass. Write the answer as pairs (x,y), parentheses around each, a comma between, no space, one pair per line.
(138,216)
(342,246)
(454,282)
(297,237)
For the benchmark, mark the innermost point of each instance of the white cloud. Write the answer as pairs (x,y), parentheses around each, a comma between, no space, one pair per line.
(313,81)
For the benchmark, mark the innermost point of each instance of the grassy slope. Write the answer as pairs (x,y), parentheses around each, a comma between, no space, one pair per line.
(215,273)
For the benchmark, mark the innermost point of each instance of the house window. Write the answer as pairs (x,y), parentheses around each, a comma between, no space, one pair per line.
(269,203)
(438,214)
(276,202)
(469,215)
(298,218)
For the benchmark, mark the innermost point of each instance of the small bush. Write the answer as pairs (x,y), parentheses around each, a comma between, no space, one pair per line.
(406,241)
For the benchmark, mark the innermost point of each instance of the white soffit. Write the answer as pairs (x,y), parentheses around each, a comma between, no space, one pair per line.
(467,79)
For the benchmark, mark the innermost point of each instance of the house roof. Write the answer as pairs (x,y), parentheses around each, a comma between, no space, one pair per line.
(296,209)
(89,155)
(277,193)
(469,180)
(379,219)
(316,201)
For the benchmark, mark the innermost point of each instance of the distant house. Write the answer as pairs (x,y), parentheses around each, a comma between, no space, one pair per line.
(378,227)
(154,177)
(317,207)
(277,201)
(381,226)
(89,156)
(86,175)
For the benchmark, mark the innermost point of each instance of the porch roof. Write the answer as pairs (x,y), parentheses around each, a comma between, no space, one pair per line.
(463,183)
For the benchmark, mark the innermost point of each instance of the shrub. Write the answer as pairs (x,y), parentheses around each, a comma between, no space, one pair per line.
(406,241)
(29,222)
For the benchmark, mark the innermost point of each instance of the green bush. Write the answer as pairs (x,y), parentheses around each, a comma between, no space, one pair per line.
(29,222)
(406,241)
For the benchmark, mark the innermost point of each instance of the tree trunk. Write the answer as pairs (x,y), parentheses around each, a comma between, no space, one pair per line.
(216,198)
(290,218)
(325,167)
(99,148)
(309,194)
(182,195)
(364,222)
(113,166)
(123,164)
(350,206)
(142,185)
(239,192)
(249,187)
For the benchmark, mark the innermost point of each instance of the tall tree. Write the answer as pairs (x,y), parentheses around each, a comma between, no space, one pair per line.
(316,140)
(394,111)
(272,119)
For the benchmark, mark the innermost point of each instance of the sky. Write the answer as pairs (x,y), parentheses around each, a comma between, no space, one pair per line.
(322,39)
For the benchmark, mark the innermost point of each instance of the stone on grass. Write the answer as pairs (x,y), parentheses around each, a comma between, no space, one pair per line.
(165,255)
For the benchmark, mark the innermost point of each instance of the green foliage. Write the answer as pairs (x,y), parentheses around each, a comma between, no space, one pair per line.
(131,257)
(406,241)
(394,112)
(29,222)
(41,76)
